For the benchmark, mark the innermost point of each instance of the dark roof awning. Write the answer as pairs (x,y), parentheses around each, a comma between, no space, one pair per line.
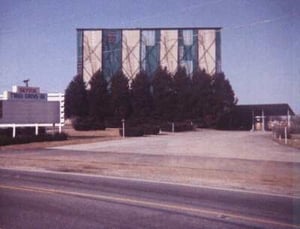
(268,109)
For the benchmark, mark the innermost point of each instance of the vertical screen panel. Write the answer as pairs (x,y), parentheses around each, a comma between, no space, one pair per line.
(218,52)
(207,50)
(150,55)
(111,52)
(187,50)
(91,53)
(169,49)
(1,109)
(131,52)
(79,52)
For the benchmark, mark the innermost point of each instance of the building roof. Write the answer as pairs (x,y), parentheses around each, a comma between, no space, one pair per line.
(279,109)
(154,28)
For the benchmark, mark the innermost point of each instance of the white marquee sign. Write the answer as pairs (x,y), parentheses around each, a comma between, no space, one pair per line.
(27,106)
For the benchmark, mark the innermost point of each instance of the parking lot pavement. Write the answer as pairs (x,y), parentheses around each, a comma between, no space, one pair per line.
(224,159)
(204,143)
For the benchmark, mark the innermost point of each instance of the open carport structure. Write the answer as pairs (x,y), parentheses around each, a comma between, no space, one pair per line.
(258,113)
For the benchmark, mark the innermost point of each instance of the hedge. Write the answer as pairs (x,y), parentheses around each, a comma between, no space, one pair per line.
(178,126)
(113,123)
(24,131)
(132,131)
(22,139)
(150,129)
(279,132)
(87,123)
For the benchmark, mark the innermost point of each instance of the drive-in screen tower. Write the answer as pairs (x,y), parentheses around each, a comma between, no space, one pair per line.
(132,50)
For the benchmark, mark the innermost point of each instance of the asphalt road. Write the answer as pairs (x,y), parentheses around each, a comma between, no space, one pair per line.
(58,200)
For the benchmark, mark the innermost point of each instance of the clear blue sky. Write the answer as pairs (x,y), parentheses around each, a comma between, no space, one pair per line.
(260,40)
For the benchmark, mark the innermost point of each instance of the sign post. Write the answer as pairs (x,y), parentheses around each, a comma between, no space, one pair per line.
(14,131)
(285,135)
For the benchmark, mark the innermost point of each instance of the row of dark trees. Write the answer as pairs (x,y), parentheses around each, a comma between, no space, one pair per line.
(202,98)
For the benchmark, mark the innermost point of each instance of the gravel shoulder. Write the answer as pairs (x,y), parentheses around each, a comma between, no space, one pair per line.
(223,159)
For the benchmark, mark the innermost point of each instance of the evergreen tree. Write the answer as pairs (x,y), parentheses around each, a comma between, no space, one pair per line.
(98,97)
(141,97)
(224,99)
(182,93)
(76,102)
(201,99)
(120,97)
(163,95)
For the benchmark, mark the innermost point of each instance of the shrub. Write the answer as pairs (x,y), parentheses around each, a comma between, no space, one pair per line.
(132,131)
(279,132)
(22,139)
(150,129)
(185,126)
(6,132)
(24,131)
(295,129)
(166,127)
(87,123)
(28,131)
(149,126)
(5,140)
(295,125)
(54,137)
(113,122)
